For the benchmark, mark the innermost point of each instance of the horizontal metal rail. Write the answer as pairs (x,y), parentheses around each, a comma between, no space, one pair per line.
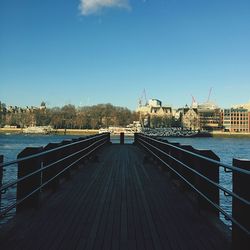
(147,146)
(48,151)
(8,185)
(98,141)
(8,209)
(200,175)
(227,166)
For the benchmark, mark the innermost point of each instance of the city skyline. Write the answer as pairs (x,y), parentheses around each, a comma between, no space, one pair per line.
(86,52)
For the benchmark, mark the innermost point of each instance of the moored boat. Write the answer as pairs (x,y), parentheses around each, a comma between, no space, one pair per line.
(38,130)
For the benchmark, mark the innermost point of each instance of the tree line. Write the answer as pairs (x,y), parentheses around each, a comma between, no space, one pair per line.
(71,117)
(68,116)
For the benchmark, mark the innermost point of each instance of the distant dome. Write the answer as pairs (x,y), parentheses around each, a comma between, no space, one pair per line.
(154,103)
(43,104)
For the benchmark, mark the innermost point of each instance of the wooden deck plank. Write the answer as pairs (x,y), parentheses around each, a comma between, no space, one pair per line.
(116,210)
(80,200)
(117,203)
(95,217)
(149,222)
(107,243)
(103,222)
(166,227)
(124,210)
(167,215)
(130,208)
(138,217)
(162,215)
(51,219)
(87,204)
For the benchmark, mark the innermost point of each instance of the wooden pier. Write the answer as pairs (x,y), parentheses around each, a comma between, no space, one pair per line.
(117,200)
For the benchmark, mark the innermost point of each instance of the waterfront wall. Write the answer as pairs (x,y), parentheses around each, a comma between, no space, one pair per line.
(57,131)
(230,134)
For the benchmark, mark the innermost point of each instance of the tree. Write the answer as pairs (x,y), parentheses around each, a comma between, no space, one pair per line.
(69,115)
(96,116)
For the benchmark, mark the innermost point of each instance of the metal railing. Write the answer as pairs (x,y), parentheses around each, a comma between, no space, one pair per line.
(40,168)
(199,171)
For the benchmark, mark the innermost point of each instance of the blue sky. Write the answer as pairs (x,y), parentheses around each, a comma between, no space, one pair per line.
(86,52)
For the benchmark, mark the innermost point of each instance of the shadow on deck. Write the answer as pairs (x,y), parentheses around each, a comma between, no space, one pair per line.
(116,202)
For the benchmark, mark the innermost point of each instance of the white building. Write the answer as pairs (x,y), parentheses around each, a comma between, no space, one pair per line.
(155,108)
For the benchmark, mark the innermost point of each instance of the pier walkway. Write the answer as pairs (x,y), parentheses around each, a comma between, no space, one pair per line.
(116,201)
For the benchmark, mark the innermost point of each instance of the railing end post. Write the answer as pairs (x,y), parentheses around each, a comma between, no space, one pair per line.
(211,171)
(122,138)
(1,177)
(30,184)
(241,186)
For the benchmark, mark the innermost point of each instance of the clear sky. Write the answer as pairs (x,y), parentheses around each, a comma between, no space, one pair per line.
(86,52)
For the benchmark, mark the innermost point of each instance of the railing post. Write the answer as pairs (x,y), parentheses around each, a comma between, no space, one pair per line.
(82,145)
(30,184)
(88,144)
(136,138)
(164,148)
(188,159)
(66,152)
(241,186)
(211,171)
(122,138)
(1,178)
(77,148)
(49,173)
(175,153)
(166,158)
(109,139)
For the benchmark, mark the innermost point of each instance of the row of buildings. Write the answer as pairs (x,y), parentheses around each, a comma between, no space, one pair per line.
(18,110)
(206,116)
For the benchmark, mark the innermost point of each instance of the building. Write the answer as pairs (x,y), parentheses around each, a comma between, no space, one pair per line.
(190,118)
(236,120)
(154,111)
(209,116)
(206,116)
(155,107)
(243,106)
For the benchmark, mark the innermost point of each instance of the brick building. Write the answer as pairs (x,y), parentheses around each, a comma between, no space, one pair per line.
(236,120)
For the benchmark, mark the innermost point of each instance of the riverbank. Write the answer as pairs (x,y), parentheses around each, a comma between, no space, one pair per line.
(11,130)
(96,131)
(56,131)
(77,131)
(230,134)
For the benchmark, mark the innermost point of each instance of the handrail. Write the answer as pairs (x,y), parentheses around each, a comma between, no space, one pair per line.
(6,210)
(150,147)
(98,141)
(4,164)
(202,176)
(8,185)
(243,171)
(201,194)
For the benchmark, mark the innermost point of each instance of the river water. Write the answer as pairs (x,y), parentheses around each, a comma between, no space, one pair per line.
(225,148)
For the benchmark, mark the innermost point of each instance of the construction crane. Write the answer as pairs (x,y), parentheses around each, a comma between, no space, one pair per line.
(194,103)
(139,102)
(210,90)
(142,102)
(145,96)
